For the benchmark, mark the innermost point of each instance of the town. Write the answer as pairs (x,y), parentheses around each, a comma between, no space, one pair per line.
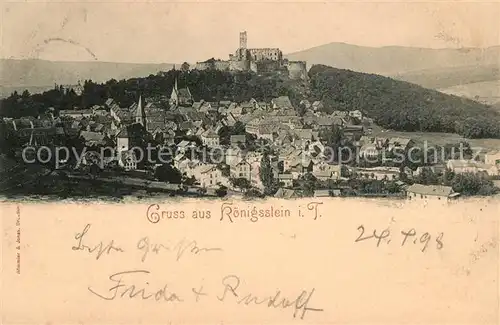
(281,147)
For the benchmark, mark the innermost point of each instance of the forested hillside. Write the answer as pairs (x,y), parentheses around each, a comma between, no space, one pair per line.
(402,106)
(208,85)
(392,104)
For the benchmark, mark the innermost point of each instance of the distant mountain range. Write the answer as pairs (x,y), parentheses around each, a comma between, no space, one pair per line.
(40,75)
(474,70)
(442,69)
(394,60)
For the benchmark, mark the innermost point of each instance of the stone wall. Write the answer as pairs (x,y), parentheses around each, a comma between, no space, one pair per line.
(297,69)
(243,65)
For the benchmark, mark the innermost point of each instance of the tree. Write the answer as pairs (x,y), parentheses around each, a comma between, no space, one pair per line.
(242,183)
(448,177)
(253,193)
(168,173)
(185,67)
(238,128)
(266,174)
(472,184)
(221,191)
(427,177)
(308,184)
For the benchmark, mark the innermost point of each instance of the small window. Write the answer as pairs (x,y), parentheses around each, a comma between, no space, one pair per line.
(421,196)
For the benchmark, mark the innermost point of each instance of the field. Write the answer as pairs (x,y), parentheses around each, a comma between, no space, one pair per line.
(435,138)
(487,92)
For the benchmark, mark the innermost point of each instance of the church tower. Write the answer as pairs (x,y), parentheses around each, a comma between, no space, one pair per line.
(174,97)
(140,115)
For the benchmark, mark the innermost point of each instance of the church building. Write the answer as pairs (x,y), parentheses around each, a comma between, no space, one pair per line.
(181,97)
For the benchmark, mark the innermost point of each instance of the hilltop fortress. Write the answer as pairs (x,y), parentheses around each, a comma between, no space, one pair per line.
(258,60)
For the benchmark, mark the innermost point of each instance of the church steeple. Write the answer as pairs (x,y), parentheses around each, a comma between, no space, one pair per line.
(174,96)
(140,115)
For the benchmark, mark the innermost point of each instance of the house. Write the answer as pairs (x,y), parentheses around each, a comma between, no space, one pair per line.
(322,175)
(235,140)
(229,120)
(285,180)
(341,114)
(399,143)
(266,131)
(301,165)
(210,138)
(77,113)
(205,107)
(430,192)
(241,168)
(315,149)
(284,138)
(184,146)
(379,173)
(233,154)
(224,103)
(356,114)
(282,102)
(187,166)
(306,134)
(93,138)
(335,170)
(368,151)
(247,107)
(305,103)
(317,105)
(470,166)
(235,110)
(188,128)
(322,193)
(437,169)
(290,156)
(208,175)
(129,137)
(128,160)
(492,158)
(179,159)
(284,193)
(354,132)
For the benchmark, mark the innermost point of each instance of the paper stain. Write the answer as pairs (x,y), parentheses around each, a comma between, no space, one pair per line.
(485,248)
(68,41)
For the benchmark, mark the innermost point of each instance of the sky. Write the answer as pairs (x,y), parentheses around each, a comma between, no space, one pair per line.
(173,32)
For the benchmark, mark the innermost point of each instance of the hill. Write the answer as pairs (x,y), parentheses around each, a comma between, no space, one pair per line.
(40,74)
(393,60)
(441,78)
(403,106)
(487,92)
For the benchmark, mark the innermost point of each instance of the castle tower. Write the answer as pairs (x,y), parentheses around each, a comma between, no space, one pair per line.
(243,40)
(140,115)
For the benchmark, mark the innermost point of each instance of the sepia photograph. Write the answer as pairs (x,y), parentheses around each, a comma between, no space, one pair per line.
(107,101)
(249,162)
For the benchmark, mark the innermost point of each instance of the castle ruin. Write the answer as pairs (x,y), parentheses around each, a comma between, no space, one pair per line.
(258,60)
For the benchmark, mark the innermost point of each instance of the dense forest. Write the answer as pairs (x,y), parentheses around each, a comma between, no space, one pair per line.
(392,104)
(210,85)
(402,106)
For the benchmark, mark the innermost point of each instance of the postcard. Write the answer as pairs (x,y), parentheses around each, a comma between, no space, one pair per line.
(250,162)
